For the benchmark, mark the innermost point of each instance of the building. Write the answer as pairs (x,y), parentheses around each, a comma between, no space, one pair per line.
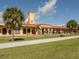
(30,28)
(31,18)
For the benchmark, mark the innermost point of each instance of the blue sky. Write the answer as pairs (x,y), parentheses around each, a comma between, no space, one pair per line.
(59,14)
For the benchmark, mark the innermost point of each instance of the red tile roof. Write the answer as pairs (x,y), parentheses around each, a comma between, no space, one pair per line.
(61,27)
(45,26)
(56,27)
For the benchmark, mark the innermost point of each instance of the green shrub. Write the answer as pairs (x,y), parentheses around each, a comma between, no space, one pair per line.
(18,39)
(62,35)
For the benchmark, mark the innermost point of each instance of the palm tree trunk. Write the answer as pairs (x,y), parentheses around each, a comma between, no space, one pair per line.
(12,35)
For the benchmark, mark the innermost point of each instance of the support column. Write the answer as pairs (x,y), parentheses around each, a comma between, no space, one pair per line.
(0,31)
(30,30)
(21,31)
(26,30)
(36,31)
(40,31)
(51,31)
(48,30)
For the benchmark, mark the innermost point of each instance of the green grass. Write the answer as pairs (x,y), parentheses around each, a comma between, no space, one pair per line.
(4,40)
(67,49)
(40,37)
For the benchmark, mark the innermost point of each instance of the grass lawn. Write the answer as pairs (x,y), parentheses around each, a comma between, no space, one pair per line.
(40,37)
(4,40)
(67,49)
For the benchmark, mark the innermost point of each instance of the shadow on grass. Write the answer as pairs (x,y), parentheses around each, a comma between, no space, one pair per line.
(17,39)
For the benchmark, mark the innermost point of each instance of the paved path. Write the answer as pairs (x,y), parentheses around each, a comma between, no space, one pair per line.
(22,43)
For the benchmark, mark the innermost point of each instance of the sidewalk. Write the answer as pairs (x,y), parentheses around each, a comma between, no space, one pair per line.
(23,43)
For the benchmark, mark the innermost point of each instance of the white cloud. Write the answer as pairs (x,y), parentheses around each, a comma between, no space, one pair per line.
(48,7)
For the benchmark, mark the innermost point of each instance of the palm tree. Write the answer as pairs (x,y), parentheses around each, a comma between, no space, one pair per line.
(38,29)
(13,18)
(71,25)
(78,26)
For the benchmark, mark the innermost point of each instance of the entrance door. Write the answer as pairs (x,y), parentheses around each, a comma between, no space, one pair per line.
(33,31)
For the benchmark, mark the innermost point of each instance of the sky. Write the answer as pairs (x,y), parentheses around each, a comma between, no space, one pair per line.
(53,12)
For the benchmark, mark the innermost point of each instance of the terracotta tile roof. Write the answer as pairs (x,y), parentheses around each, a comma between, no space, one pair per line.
(45,26)
(61,27)
(56,27)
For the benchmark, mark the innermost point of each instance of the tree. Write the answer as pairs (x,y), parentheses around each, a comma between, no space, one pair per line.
(13,18)
(78,26)
(71,25)
(38,29)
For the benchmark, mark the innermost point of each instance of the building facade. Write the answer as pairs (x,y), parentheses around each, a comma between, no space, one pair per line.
(30,28)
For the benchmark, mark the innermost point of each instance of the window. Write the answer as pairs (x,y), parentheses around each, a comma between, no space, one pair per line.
(9,31)
(4,31)
(17,31)
(24,30)
(28,30)
(0,30)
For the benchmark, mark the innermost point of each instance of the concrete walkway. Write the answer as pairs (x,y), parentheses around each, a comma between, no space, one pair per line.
(22,43)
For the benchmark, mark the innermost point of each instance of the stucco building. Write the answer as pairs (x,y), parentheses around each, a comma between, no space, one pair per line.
(30,28)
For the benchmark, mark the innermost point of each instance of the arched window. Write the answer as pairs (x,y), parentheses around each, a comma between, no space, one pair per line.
(24,30)
(28,30)
(4,31)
